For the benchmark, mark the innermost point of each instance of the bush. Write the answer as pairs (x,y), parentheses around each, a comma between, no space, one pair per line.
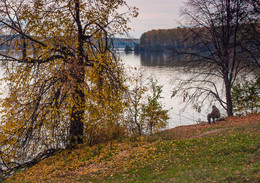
(246,97)
(153,114)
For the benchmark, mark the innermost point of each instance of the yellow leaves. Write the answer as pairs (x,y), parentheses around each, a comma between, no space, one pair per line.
(44,90)
(98,162)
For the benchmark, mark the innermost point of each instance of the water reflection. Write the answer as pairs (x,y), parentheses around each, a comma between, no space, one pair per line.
(169,68)
(155,59)
(161,59)
(165,67)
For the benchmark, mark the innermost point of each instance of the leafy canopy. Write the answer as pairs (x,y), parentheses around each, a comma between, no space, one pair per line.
(56,55)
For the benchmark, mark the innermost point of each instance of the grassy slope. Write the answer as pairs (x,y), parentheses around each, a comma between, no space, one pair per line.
(223,152)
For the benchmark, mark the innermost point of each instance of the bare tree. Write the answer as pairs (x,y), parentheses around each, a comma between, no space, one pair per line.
(225,38)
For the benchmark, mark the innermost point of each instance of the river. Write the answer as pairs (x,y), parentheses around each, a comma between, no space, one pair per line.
(166,70)
(157,66)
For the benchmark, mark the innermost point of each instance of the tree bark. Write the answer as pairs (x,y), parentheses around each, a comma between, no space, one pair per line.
(77,115)
(78,109)
(229,102)
(228,97)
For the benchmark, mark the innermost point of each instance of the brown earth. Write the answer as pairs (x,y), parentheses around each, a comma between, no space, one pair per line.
(204,129)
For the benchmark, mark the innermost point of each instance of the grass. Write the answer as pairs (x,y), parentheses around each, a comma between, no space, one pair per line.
(224,152)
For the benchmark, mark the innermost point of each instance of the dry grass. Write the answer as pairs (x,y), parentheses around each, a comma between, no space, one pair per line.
(204,129)
(232,157)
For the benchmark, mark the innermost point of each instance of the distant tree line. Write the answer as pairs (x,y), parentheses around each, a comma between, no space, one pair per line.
(165,39)
(177,39)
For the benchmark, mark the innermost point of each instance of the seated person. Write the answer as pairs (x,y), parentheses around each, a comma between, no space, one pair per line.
(214,114)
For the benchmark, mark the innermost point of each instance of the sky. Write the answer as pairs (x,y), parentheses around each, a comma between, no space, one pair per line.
(154,14)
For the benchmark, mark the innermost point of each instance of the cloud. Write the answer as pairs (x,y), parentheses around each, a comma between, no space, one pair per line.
(155,14)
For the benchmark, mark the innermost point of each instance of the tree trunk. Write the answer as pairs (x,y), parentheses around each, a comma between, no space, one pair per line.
(77,115)
(228,98)
(78,109)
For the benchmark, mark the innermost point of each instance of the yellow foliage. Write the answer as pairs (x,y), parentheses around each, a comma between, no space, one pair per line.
(60,72)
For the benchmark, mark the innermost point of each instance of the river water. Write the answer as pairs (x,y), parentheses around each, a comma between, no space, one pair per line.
(165,69)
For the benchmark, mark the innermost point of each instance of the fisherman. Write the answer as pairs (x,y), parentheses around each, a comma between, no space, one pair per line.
(214,114)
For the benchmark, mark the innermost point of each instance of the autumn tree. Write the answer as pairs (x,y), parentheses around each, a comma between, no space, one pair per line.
(135,102)
(145,113)
(105,103)
(153,115)
(55,54)
(225,34)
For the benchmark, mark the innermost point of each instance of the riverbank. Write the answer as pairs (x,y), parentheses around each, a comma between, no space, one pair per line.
(227,151)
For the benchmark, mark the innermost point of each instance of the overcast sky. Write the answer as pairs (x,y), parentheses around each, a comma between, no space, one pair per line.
(155,14)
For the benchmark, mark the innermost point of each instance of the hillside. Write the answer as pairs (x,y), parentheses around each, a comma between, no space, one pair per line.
(224,152)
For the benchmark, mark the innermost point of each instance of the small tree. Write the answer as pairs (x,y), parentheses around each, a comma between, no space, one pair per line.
(145,113)
(246,98)
(153,114)
(134,101)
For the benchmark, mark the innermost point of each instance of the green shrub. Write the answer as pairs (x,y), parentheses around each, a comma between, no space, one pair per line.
(246,97)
